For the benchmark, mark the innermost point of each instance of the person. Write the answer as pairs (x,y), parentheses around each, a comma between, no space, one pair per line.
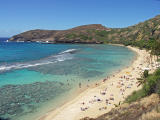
(80,85)
(104,80)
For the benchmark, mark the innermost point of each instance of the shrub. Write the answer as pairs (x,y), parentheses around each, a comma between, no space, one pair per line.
(135,96)
(150,85)
(83,37)
(145,74)
(102,33)
(157,73)
(71,36)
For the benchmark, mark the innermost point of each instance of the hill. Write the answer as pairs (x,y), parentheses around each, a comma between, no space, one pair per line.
(96,33)
(80,34)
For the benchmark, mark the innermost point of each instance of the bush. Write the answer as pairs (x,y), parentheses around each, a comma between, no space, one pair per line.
(150,85)
(135,96)
(157,73)
(145,74)
(102,33)
(83,37)
(71,36)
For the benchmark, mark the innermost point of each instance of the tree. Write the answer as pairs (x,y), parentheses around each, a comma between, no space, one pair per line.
(143,78)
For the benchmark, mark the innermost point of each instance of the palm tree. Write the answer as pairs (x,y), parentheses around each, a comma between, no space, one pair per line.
(143,78)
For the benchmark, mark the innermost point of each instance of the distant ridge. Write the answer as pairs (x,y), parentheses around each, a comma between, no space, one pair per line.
(95,33)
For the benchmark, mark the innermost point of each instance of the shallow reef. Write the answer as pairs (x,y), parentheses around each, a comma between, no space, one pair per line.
(20,99)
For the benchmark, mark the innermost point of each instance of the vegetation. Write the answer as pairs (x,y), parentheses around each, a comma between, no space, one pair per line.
(151,85)
(71,36)
(102,33)
(143,78)
(142,35)
(155,49)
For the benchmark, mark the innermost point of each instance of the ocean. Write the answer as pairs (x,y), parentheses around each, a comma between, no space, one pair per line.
(35,77)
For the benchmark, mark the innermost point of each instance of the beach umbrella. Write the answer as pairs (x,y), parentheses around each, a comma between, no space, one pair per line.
(127,72)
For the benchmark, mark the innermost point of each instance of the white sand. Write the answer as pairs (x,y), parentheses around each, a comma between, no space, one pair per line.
(115,87)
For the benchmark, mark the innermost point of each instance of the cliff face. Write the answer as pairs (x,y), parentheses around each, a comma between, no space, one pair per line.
(96,33)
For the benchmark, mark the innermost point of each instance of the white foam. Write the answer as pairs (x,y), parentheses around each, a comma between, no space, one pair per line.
(65,55)
(69,51)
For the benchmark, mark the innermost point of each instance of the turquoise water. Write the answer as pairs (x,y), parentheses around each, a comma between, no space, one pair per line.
(33,75)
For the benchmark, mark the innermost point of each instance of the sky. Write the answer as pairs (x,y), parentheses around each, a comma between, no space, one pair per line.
(17,16)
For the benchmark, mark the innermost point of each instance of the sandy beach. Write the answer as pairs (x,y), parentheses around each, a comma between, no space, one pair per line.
(106,94)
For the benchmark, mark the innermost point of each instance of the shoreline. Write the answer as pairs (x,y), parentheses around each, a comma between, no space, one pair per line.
(92,103)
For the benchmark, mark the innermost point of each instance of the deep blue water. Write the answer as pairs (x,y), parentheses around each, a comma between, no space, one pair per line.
(37,73)
(2,39)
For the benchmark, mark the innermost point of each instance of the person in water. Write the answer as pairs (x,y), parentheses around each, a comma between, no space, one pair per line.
(80,85)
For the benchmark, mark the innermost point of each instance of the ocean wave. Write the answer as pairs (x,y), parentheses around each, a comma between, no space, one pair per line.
(69,51)
(62,56)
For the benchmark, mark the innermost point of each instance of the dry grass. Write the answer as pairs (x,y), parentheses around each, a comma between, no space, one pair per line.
(147,108)
(153,115)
